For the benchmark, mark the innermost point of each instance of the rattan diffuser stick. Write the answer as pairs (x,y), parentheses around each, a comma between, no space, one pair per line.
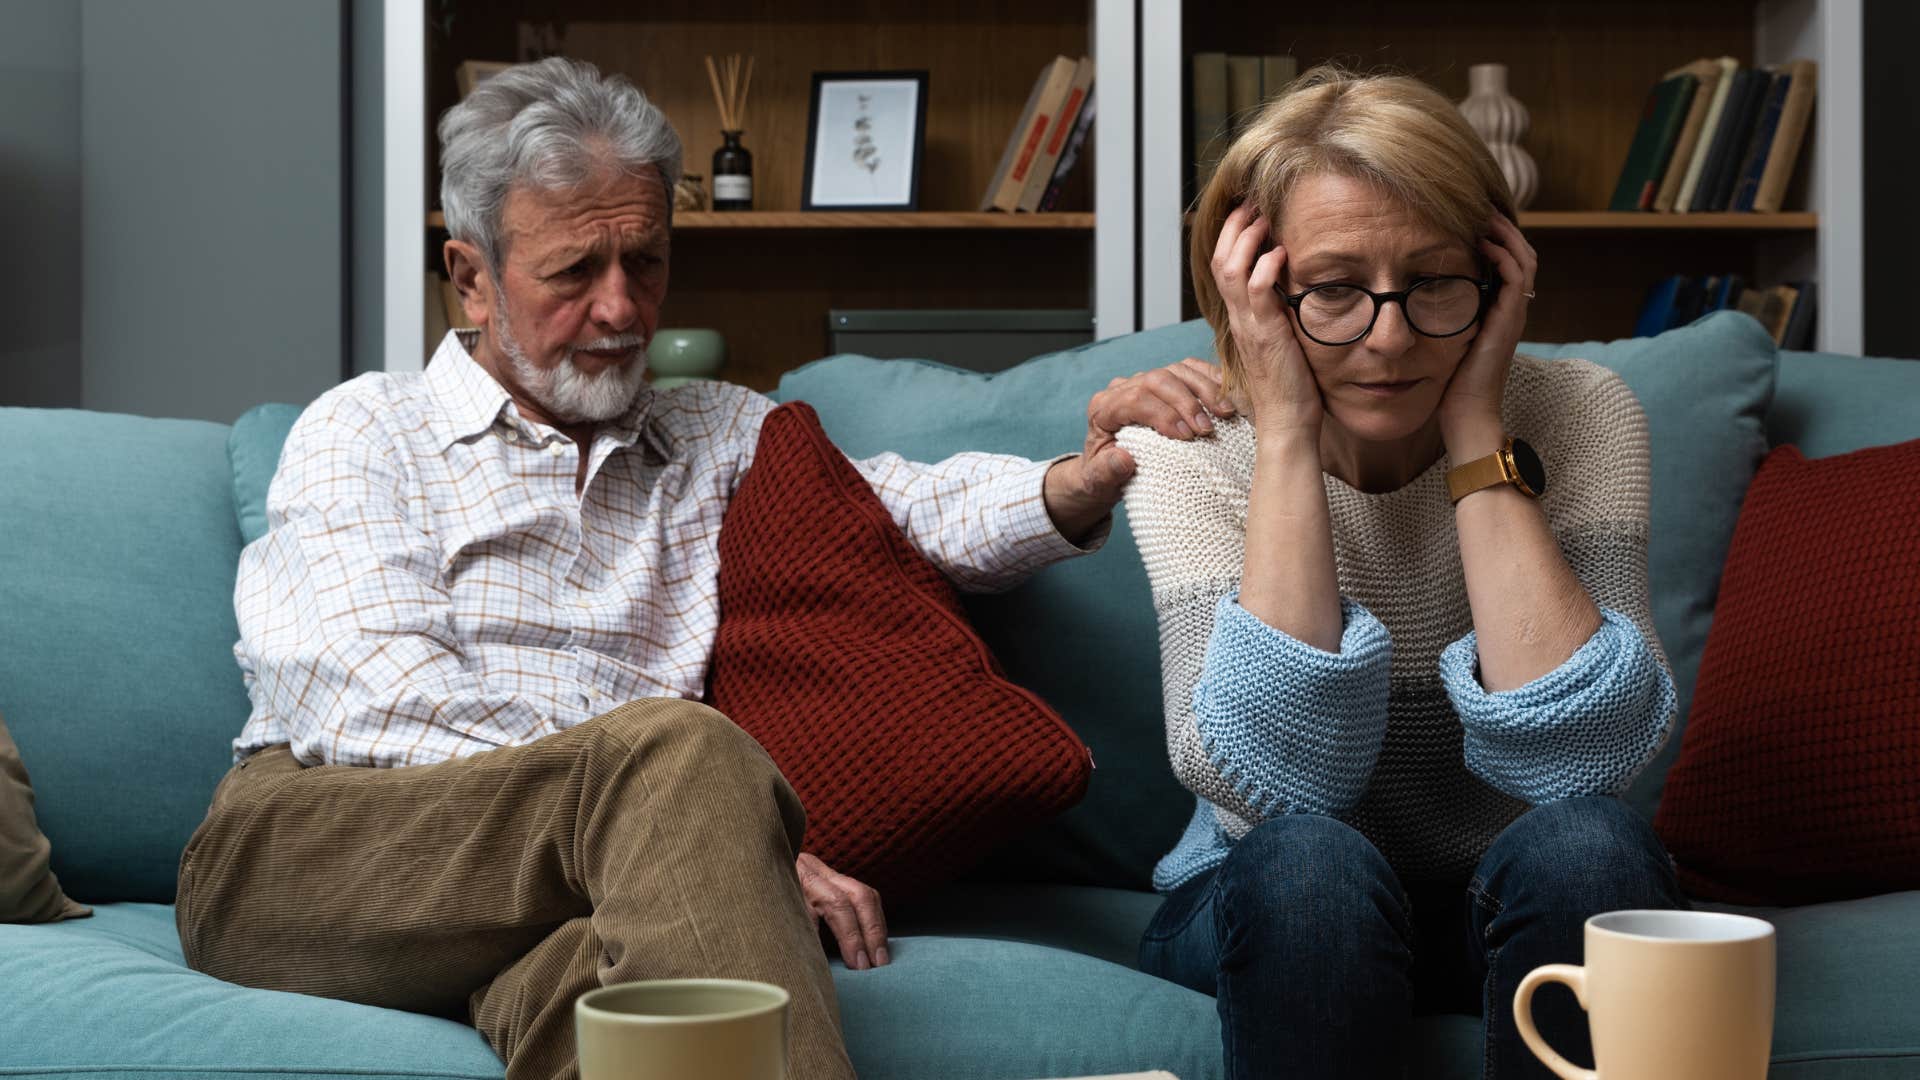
(731,79)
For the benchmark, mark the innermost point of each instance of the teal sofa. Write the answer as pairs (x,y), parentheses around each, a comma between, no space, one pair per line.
(117,560)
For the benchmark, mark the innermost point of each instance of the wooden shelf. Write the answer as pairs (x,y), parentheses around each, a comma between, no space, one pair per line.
(1572,220)
(832,219)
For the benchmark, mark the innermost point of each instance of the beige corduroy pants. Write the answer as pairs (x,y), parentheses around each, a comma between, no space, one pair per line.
(654,841)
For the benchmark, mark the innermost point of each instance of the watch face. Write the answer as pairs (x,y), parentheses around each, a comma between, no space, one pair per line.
(1527,464)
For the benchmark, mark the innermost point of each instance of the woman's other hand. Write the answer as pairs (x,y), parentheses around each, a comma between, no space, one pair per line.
(1470,409)
(1279,382)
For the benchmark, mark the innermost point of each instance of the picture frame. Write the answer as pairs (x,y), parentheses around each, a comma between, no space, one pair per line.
(866,136)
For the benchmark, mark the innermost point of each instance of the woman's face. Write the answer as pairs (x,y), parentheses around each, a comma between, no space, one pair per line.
(1339,230)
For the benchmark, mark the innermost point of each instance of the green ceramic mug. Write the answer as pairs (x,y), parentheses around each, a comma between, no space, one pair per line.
(679,355)
(683,1029)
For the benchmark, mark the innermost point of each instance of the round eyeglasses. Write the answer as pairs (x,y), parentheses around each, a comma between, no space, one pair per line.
(1435,307)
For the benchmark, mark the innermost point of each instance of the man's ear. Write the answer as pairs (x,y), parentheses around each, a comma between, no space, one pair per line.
(467,269)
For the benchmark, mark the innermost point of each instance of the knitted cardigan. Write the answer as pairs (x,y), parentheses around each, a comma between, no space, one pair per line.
(1393,734)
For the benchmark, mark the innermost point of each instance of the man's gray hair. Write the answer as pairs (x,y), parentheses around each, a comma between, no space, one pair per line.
(547,125)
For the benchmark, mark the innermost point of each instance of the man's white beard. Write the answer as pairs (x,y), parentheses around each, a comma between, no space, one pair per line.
(569,394)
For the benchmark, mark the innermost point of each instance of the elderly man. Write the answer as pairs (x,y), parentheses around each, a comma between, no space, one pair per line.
(477,780)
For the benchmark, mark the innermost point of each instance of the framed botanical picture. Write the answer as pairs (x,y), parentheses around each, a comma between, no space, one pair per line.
(865,134)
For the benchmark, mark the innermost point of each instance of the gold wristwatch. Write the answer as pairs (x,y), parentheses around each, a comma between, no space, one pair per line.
(1514,463)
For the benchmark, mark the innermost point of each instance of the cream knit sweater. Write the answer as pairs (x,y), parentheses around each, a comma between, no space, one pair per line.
(1393,734)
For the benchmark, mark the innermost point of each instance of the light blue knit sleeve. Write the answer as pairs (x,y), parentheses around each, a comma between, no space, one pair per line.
(1585,728)
(1293,729)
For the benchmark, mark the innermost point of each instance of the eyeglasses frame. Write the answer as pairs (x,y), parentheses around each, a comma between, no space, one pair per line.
(1488,288)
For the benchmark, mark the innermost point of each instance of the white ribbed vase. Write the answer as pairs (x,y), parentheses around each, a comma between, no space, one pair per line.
(1501,122)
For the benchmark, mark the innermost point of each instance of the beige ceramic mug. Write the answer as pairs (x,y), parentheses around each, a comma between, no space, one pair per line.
(683,1029)
(1670,995)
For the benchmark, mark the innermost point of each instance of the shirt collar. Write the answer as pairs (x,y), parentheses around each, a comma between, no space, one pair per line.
(468,400)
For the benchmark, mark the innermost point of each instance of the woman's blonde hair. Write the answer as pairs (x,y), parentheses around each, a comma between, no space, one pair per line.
(1393,131)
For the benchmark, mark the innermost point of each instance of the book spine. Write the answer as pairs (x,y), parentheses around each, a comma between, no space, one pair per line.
(1763,134)
(1668,134)
(1070,156)
(1690,183)
(1738,128)
(1209,114)
(1785,151)
(1708,73)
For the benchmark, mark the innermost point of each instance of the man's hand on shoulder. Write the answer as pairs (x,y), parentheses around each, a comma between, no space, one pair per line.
(1178,401)
(851,910)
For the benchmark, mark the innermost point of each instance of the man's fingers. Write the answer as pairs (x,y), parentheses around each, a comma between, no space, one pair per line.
(871,918)
(845,924)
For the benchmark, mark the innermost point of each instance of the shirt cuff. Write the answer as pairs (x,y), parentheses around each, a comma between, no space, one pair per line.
(1027,537)
(1585,728)
(1294,728)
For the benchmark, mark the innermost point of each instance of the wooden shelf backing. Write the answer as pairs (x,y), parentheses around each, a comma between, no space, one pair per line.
(1629,221)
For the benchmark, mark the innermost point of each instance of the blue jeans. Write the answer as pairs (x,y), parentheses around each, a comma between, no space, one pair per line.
(1320,958)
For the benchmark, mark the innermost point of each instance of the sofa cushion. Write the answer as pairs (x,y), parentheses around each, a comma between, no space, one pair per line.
(1080,634)
(1829,404)
(945,1009)
(848,656)
(1705,389)
(1849,974)
(119,978)
(117,675)
(253,452)
(1797,779)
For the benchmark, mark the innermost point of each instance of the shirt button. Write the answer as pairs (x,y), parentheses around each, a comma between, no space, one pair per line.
(556,448)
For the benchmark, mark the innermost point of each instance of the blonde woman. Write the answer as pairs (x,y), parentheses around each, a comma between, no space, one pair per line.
(1408,653)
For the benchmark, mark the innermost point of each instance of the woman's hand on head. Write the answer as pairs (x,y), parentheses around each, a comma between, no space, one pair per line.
(1280,384)
(1471,405)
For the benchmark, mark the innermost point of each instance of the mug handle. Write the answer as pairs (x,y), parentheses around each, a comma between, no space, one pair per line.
(1576,980)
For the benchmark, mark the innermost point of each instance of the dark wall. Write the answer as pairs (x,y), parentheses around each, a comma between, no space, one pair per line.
(1891,88)
(40,203)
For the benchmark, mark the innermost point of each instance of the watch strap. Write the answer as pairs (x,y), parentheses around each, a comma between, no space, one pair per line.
(1478,474)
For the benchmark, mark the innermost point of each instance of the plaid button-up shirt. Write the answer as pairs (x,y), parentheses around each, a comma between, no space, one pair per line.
(431,585)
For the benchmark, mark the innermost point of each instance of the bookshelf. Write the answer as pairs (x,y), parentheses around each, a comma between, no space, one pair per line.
(1583,68)
(767,278)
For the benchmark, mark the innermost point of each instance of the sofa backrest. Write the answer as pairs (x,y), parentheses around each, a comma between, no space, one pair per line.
(116,575)
(117,675)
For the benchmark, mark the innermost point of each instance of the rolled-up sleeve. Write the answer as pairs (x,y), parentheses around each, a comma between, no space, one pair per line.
(1291,728)
(1585,728)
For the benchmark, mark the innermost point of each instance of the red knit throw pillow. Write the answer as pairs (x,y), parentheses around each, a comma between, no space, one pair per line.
(1799,775)
(848,656)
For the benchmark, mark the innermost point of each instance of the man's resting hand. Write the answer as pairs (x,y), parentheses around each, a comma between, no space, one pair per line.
(851,909)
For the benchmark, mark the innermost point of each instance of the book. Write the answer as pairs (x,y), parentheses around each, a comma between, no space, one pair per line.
(1209,114)
(1768,307)
(435,323)
(1708,72)
(1689,302)
(1070,156)
(1779,311)
(472,73)
(1747,185)
(1657,313)
(1726,295)
(1024,140)
(1800,323)
(1275,73)
(1055,143)
(1736,122)
(1696,162)
(1243,92)
(1660,121)
(1785,151)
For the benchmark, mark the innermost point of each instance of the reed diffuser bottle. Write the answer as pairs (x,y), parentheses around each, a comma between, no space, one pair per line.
(732,163)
